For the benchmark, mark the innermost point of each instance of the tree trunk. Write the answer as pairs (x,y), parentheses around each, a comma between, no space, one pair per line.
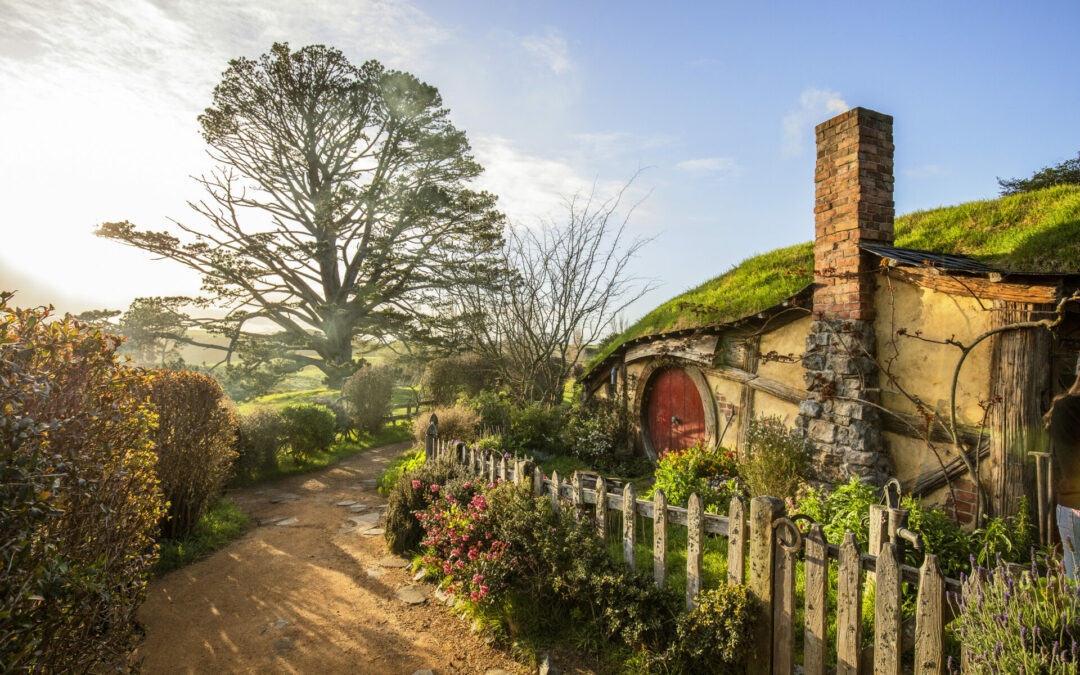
(1020,390)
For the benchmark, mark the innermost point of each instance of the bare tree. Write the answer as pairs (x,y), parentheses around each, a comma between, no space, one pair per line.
(568,282)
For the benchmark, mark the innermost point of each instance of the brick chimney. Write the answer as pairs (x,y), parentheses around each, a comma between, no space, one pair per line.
(853,204)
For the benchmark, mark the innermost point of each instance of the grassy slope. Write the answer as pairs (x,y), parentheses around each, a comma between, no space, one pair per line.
(1034,232)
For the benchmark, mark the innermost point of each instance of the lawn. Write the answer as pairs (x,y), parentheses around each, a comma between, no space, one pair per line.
(221,523)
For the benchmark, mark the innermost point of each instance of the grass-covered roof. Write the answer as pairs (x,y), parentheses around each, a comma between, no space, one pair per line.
(1031,232)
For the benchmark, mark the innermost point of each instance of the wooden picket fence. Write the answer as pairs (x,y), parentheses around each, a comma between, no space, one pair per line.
(764,545)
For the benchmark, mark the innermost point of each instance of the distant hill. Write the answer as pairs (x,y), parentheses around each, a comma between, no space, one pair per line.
(1031,232)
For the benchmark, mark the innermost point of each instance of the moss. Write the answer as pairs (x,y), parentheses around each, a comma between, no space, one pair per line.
(1031,232)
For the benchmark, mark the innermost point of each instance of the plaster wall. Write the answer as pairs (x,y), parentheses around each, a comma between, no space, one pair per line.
(766,404)
(726,392)
(925,369)
(786,341)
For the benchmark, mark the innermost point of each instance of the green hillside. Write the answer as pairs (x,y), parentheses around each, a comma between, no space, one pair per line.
(1032,232)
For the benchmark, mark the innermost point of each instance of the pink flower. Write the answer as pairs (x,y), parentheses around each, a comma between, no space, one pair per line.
(446,567)
(416,485)
(434,488)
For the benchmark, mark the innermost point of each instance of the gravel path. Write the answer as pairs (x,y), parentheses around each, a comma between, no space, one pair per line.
(312,589)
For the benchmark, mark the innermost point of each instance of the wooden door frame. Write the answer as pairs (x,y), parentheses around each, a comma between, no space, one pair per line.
(644,386)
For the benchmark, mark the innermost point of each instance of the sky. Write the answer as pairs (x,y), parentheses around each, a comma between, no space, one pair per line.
(712,105)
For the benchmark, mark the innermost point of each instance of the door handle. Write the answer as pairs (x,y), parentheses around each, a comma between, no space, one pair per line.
(675,420)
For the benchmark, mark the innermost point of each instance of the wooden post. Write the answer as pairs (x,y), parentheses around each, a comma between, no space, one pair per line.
(736,565)
(817,593)
(848,608)
(659,545)
(601,507)
(538,481)
(577,496)
(930,620)
(519,471)
(695,535)
(629,525)
(555,491)
(432,437)
(502,468)
(784,599)
(763,511)
(887,642)
(491,468)
(879,528)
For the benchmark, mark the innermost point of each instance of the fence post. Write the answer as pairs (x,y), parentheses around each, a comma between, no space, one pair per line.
(784,597)
(601,507)
(695,533)
(491,468)
(848,608)
(887,638)
(629,524)
(817,588)
(930,619)
(555,491)
(432,437)
(736,571)
(502,468)
(462,449)
(763,511)
(659,545)
(578,496)
(538,481)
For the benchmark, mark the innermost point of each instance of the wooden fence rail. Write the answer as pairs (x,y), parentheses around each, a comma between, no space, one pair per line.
(764,547)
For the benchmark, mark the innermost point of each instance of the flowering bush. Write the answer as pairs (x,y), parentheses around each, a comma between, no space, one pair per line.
(717,635)
(777,458)
(461,542)
(1020,623)
(709,473)
(412,493)
(596,431)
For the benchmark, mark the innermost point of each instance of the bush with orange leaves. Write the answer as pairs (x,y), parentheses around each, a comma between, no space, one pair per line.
(79,500)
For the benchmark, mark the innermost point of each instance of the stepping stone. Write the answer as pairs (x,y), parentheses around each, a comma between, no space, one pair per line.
(346,530)
(346,502)
(280,623)
(287,497)
(441,595)
(260,492)
(420,575)
(358,508)
(272,521)
(355,487)
(393,561)
(365,518)
(283,645)
(376,571)
(411,595)
(288,521)
(375,531)
(429,671)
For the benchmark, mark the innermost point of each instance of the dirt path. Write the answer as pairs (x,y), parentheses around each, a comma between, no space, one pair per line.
(306,596)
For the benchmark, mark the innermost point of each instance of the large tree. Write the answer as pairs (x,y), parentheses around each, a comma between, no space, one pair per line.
(340,208)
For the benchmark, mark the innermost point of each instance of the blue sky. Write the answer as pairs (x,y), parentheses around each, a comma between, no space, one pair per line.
(716,100)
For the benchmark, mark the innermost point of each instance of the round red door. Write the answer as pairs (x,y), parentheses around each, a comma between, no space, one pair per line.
(675,414)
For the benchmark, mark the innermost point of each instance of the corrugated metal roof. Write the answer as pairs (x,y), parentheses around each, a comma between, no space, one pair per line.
(941,261)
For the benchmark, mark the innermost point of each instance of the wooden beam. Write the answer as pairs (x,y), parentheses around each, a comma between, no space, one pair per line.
(782,391)
(979,287)
(746,395)
(906,424)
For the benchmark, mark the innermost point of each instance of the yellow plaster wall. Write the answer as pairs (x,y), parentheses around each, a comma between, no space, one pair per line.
(789,340)
(926,369)
(768,405)
(724,390)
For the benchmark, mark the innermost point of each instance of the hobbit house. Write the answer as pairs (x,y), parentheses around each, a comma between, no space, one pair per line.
(936,367)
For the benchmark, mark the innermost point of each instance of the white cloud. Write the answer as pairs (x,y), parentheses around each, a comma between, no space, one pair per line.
(815,106)
(709,164)
(551,48)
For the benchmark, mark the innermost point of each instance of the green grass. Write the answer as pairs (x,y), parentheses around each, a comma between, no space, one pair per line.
(222,522)
(1033,232)
(342,448)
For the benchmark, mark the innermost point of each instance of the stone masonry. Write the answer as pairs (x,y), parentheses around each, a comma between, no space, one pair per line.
(853,204)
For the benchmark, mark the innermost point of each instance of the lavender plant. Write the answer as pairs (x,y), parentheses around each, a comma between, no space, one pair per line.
(1018,619)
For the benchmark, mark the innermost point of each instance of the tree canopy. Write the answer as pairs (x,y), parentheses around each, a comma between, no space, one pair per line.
(340,207)
(1065,173)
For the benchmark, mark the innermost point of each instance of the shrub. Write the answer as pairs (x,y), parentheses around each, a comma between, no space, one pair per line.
(596,431)
(534,428)
(79,501)
(310,428)
(406,461)
(777,458)
(455,423)
(368,393)
(412,493)
(261,435)
(194,442)
(448,378)
(709,473)
(343,419)
(842,509)
(1023,622)
(494,409)
(717,635)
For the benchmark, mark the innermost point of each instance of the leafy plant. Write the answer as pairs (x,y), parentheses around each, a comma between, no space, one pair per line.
(456,422)
(698,469)
(534,428)
(260,438)
(310,428)
(717,635)
(368,393)
(777,458)
(596,432)
(411,494)
(79,500)
(1019,622)
(406,461)
(194,442)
